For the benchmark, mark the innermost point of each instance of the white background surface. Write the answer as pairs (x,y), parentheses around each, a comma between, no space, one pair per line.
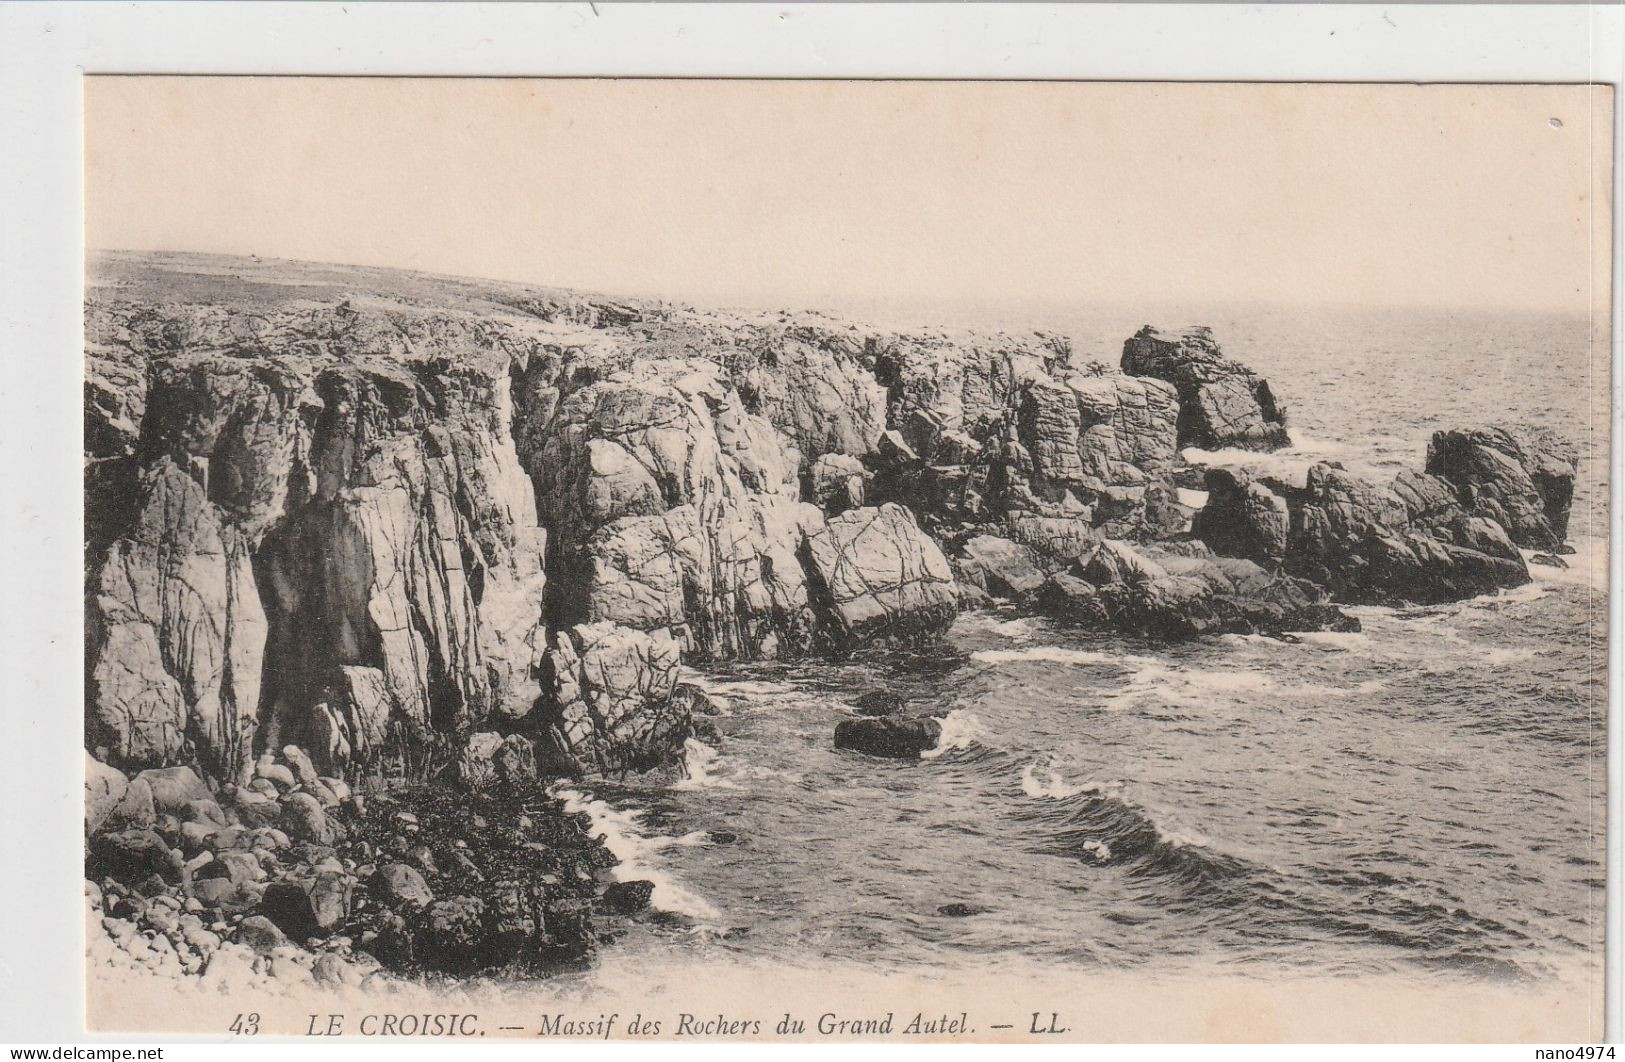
(44,49)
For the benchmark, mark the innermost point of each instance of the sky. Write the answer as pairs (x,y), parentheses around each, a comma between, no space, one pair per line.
(842,194)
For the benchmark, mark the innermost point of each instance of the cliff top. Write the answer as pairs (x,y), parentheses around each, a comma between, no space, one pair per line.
(186,283)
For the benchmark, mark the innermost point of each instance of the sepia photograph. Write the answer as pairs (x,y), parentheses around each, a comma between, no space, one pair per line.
(846,560)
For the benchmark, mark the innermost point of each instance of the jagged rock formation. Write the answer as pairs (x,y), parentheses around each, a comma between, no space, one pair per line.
(1221,403)
(410,522)
(877,579)
(981,432)
(1408,542)
(308,506)
(1522,478)
(608,703)
(327,506)
(1170,592)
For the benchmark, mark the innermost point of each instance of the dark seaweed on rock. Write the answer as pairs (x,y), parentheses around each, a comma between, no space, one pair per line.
(296,871)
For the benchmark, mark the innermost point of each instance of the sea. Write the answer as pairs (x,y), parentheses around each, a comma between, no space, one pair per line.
(1422,798)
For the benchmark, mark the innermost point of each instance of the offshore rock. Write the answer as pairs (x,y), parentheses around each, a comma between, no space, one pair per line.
(1407,542)
(1221,403)
(889,737)
(1522,478)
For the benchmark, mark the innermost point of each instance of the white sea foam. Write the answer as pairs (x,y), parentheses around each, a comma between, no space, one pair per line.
(1016,628)
(1344,640)
(702,766)
(1587,566)
(1045,783)
(1099,849)
(1195,688)
(1180,838)
(1055,654)
(960,730)
(638,854)
(1288,465)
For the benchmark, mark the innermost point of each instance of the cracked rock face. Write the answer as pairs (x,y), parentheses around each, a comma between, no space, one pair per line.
(878,579)
(1092,446)
(377,515)
(342,508)
(332,542)
(607,701)
(1221,403)
(674,509)
(175,631)
(1521,478)
(1410,541)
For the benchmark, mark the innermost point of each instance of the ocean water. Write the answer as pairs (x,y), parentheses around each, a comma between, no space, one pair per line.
(1425,797)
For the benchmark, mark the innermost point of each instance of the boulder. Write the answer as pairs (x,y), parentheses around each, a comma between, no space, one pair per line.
(876,578)
(303,819)
(330,899)
(104,788)
(1222,404)
(287,904)
(1520,477)
(400,886)
(260,934)
(174,789)
(135,807)
(303,769)
(218,892)
(132,856)
(607,701)
(332,969)
(629,897)
(493,759)
(890,737)
(999,567)
(242,868)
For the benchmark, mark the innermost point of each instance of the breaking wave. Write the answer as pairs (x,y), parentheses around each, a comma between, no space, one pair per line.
(638,853)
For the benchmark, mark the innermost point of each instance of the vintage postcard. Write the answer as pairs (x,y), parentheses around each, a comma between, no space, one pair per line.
(827,561)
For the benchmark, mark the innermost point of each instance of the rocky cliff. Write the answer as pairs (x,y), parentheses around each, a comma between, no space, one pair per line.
(347,527)
(386,517)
